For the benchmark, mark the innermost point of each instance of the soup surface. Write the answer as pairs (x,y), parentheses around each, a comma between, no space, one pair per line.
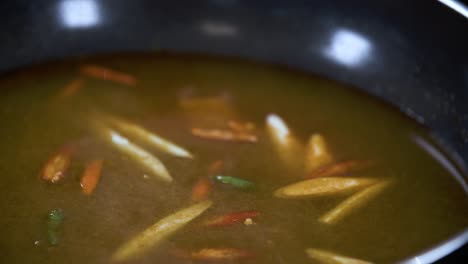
(264,165)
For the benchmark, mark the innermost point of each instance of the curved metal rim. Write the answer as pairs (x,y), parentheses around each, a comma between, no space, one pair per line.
(447,158)
(440,250)
(457,6)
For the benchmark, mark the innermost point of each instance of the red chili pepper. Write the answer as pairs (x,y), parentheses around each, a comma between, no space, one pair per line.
(201,189)
(231,218)
(91,176)
(215,167)
(71,88)
(103,73)
(340,168)
(55,168)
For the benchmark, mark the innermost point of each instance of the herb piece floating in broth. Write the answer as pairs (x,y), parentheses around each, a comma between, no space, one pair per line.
(354,202)
(341,168)
(224,135)
(139,155)
(55,168)
(231,218)
(159,231)
(288,147)
(91,176)
(99,72)
(149,137)
(322,187)
(327,257)
(71,88)
(235,182)
(215,254)
(317,154)
(54,219)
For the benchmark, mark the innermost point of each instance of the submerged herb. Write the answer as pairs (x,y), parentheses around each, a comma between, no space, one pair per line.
(235,182)
(54,219)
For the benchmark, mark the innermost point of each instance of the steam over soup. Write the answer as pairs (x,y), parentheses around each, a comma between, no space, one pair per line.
(187,159)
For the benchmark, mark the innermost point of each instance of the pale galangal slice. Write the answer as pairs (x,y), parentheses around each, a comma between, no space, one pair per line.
(155,234)
(327,257)
(354,202)
(150,138)
(145,159)
(322,187)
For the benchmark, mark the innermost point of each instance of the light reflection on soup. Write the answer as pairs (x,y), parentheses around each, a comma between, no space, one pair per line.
(186,159)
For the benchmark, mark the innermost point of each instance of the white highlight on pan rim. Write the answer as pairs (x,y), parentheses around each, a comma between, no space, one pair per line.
(348,48)
(79,13)
(457,6)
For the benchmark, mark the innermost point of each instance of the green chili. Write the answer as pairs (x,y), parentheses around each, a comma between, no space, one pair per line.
(235,182)
(54,219)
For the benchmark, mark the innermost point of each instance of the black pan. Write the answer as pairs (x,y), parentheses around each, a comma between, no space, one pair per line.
(413,54)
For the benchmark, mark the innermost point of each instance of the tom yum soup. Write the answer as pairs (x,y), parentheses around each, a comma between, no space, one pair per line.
(185,159)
